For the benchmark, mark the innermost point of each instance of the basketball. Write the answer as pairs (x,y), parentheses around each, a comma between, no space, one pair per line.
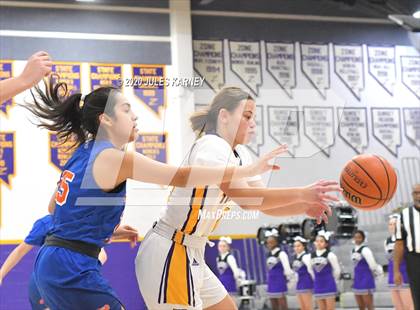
(368,182)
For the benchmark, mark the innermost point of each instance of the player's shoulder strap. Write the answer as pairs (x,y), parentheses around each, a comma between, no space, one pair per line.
(220,259)
(359,250)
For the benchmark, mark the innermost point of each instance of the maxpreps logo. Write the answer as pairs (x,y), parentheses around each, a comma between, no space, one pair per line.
(229,214)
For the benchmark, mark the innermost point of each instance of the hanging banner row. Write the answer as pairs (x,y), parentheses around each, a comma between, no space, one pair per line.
(320,127)
(245,60)
(153,95)
(152,145)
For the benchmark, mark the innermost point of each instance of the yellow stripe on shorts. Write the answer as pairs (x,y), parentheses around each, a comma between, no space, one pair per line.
(177,289)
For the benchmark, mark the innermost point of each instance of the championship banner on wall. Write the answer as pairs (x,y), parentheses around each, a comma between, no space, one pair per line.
(101,75)
(410,73)
(381,64)
(386,125)
(319,127)
(208,62)
(245,62)
(412,125)
(348,65)
(149,85)
(59,153)
(7,157)
(68,73)
(284,126)
(353,128)
(315,65)
(6,71)
(280,63)
(153,145)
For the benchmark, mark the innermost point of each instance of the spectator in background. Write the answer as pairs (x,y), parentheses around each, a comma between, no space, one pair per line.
(302,266)
(326,271)
(278,271)
(229,273)
(365,270)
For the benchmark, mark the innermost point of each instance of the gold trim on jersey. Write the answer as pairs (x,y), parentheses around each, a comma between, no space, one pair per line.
(197,201)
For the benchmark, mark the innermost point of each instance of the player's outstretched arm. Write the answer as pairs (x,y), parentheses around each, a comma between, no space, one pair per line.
(14,257)
(38,66)
(113,167)
(311,200)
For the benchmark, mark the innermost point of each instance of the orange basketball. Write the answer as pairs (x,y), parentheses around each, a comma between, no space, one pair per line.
(368,182)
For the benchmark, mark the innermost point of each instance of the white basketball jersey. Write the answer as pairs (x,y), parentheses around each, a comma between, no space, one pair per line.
(198,210)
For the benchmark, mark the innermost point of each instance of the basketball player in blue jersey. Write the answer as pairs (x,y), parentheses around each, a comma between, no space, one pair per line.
(35,238)
(38,66)
(90,197)
(178,277)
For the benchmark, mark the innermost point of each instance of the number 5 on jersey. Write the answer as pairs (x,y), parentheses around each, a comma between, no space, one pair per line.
(63,188)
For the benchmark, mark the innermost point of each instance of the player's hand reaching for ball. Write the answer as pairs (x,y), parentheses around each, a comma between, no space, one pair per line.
(318,192)
(263,163)
(317,197)
(318,211)
(38,66)
(126,232)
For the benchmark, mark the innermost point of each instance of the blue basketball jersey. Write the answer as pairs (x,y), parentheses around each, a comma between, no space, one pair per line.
(39,231)
(83,211)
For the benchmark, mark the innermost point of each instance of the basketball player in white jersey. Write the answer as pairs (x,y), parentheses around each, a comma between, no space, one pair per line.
(170,266)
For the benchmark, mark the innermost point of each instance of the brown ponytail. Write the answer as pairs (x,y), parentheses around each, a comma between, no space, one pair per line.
(228,98)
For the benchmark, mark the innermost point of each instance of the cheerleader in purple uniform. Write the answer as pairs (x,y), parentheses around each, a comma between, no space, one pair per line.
(302,266)
(326,272)
(278,271)
(401,295)
(226,266)
(365,269)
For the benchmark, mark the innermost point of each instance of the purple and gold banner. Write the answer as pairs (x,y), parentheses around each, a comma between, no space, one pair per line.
(149,85)
(6,68)
(153,145)
(68,73)
(101,75)
(60,152)
(7,157)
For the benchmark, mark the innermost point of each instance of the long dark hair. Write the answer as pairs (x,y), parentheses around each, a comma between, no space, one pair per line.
(360,232)
(205,120)
(67,115)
